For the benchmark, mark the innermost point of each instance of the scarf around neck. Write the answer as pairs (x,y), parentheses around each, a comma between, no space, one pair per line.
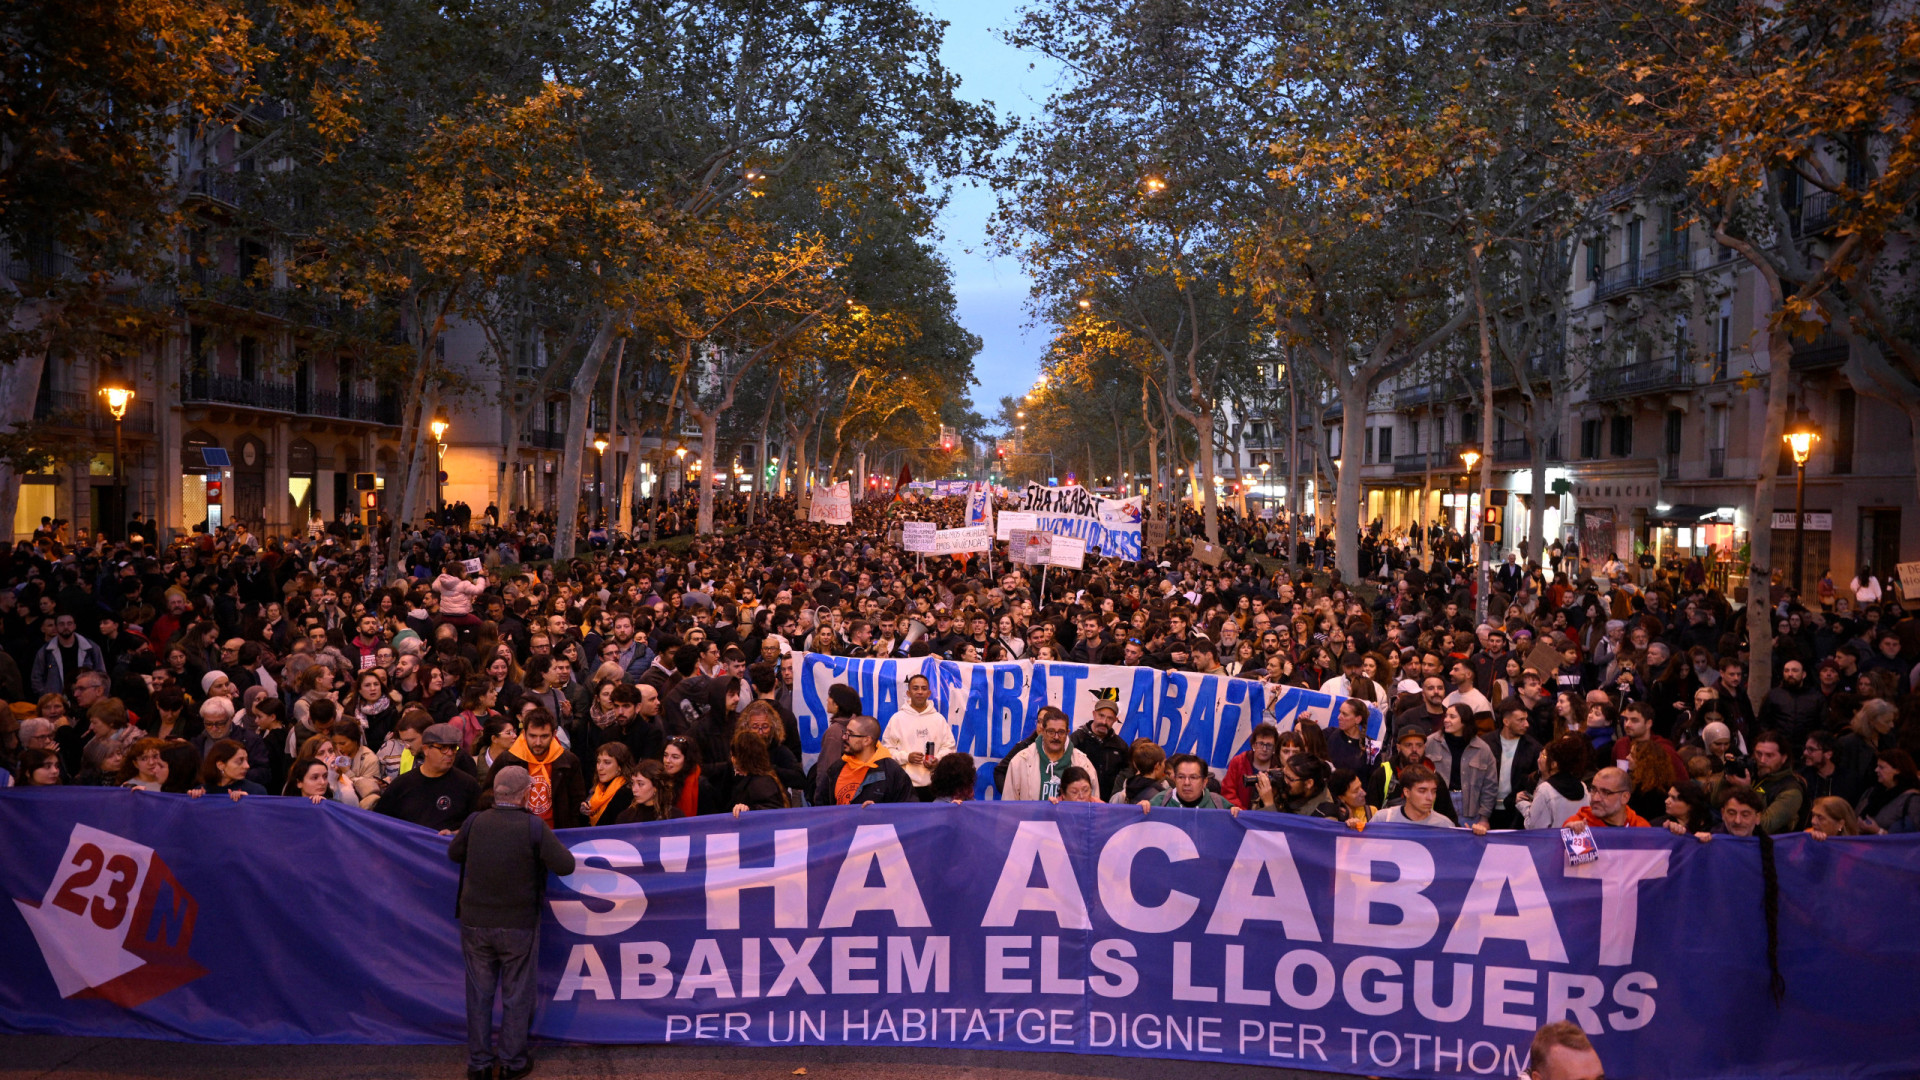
(540,794)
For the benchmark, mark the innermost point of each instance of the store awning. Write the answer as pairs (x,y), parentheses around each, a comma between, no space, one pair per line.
(1690,514)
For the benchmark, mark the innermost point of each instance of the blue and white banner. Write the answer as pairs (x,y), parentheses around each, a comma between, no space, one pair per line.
(980,506)
(1400,952)
(993,707)
(1111,527)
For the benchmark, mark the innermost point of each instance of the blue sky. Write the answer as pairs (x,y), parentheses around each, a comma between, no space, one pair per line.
(992,292)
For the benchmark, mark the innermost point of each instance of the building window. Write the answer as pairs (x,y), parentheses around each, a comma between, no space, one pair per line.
(1620,436)
(1723,341)
(1386,446)
(1674,420)
(1469,428)
(1596,258)
(1413,435)
(1717,442)
(1589,439)
(1333,443)
(1844,406)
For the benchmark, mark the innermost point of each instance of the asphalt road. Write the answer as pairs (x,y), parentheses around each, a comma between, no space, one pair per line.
(26,1057)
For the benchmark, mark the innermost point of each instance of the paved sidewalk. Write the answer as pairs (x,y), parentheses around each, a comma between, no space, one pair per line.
(23,1057)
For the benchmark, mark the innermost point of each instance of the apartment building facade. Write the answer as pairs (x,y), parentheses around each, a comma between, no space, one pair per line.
(1662,373)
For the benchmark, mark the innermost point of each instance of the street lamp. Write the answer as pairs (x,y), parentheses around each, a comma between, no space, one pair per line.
(600,445)
(1472,459)
(1800,437)
(119,395)
(1265,495)
(438,425)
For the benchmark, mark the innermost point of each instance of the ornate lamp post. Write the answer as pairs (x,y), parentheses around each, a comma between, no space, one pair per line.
(1472,459)
(119,395)
(439,426)
(1800,437)
(600,445)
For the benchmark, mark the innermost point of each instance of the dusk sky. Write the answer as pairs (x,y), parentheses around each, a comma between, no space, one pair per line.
(992,292)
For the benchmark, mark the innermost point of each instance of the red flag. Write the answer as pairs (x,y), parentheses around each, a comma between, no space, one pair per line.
(906,477)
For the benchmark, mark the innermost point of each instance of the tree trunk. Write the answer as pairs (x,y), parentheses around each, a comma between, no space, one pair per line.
(1481,580)
(1760,528)
(1293,458)
(573,455)
(1536,550)
(415,443)
(1346,502)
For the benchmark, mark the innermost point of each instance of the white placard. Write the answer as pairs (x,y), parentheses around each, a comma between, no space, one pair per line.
(957,541)
(1010,520)
(917,536)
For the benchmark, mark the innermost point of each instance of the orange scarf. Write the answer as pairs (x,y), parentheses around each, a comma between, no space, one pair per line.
(540,794)
(687,793)
(853,773)
(602,795)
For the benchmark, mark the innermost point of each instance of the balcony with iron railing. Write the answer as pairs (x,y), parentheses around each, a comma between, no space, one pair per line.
(1512,450)
(1648,377)
(1829,350)
(1446,459)
(1428,392)
(38,262)
(544,440)
(201,387)
(1669,261)
(218,184)
(80,411)
(273,395)
(1815,213)
(366,408)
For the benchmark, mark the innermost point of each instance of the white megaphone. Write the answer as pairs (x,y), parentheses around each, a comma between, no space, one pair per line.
(915,633)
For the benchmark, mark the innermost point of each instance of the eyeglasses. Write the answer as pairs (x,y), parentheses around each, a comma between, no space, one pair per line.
(1609,792)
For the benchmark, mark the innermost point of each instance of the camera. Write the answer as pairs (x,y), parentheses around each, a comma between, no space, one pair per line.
(1740,768)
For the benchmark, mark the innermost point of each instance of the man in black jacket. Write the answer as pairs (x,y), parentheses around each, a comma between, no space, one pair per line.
(505,855)
(872,774)
(1516,759)
(1102,747)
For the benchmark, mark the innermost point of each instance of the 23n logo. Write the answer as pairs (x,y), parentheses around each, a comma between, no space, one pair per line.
(115,923)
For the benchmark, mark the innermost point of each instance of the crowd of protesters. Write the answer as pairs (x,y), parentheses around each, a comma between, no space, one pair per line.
(637,682)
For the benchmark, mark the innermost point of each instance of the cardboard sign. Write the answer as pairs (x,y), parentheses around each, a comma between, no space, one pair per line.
(1211,554)
(917,536)
(1067,552)
(1157,533)
(1909,579)
(832,505)
(1029,547)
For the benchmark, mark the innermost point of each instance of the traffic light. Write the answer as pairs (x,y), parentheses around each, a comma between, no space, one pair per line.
(1495,516)
(1490,534)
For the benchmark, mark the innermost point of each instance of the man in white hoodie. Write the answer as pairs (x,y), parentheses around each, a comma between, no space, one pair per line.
(912,729)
